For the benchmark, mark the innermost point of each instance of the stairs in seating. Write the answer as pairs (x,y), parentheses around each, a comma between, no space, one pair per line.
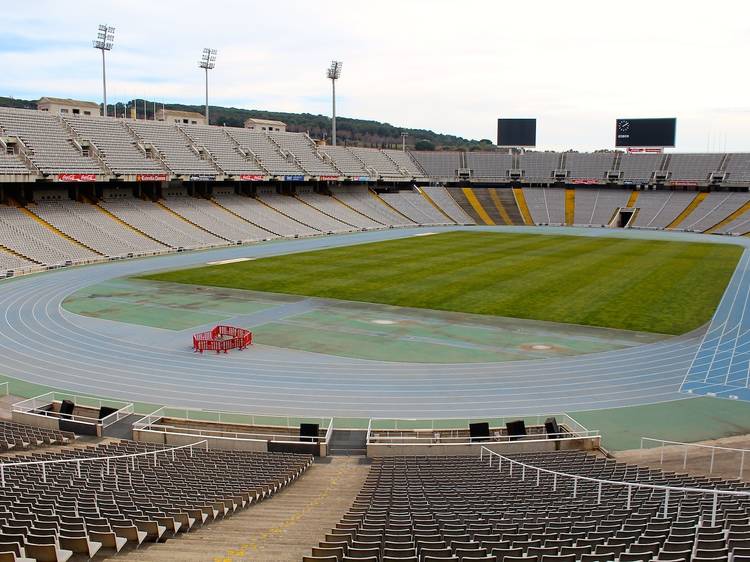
(570,206)
(348,442)
(280,529)
(460,198)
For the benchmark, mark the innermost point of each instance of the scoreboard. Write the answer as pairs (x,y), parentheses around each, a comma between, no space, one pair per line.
(645,132)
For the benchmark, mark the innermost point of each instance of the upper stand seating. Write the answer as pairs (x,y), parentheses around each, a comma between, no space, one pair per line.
(462,508)
(442,165)
(224,150)
(693,167)
(175,148)
(115,145)
(267,152)
(345,160)
(539,167)
(489,165)
(10,164)
(405,163)
(592,166)
(302,147)
(639,168)
(738,168)
(378,161)
(49,145)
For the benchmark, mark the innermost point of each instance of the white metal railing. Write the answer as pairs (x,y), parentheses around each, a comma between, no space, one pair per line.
(38,404)
(329,432)
(221,416)
(377,438)
(686,446)
(437,424)
(536,472)
(150,422)
(107,459)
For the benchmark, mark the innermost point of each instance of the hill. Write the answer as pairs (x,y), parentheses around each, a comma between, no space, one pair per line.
(354,132)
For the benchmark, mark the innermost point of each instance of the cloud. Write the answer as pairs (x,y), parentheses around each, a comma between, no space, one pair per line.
(434,64)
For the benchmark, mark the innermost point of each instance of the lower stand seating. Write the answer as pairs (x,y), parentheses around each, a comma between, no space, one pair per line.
(20,436)
(50,511)
(436,509)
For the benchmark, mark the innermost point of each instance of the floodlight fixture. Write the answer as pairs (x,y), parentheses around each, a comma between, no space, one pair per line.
(207,62)
(105,37)
(334,73)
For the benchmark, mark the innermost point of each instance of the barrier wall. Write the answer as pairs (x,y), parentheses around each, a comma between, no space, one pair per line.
(220,443)
(473,449)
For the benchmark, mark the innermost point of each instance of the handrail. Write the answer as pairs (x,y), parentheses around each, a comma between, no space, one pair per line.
(78,461)
(468,440)
(329,432)
(712,448)
(629,485)
(162,428)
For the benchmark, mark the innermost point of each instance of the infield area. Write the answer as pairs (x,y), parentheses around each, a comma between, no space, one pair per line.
(641,285)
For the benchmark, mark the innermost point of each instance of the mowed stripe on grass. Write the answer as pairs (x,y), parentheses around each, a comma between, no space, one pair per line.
(644,285)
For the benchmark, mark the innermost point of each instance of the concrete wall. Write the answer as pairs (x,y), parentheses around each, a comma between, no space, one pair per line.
(36,420)
(221,443)
(473,449)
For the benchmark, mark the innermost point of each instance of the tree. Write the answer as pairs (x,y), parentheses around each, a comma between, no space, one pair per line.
(423,144)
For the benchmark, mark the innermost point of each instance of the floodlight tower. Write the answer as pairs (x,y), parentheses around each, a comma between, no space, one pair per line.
(207,62)
(104,38)
(334,73)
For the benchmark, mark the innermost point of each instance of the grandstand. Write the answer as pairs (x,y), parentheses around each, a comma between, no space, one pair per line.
(547,507)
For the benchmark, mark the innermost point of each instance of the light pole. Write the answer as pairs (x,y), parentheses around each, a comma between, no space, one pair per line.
(403,141)
(207,62)
(104,38)
(334,73)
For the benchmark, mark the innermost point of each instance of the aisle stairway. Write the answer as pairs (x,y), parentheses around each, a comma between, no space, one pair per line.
(279,530)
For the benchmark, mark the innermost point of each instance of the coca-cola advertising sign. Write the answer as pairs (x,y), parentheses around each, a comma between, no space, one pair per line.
(76,177)
(151,177)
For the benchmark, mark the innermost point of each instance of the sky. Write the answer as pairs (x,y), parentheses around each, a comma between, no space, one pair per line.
(450,66)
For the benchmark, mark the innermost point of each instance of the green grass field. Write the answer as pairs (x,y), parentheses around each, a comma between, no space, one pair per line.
(644,285)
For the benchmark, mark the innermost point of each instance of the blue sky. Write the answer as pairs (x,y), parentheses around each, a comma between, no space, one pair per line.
(451,66)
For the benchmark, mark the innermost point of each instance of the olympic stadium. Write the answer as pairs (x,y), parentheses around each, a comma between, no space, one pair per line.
(256,342)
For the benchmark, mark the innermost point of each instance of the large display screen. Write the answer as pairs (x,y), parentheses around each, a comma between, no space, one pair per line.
(645,132)
(516,132)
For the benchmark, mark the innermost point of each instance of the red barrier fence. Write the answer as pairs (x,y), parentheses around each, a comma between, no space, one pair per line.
(222,338)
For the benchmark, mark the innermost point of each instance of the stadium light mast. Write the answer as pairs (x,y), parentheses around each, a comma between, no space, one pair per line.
(334,73)
(104,38)
(207,62)
(403,140)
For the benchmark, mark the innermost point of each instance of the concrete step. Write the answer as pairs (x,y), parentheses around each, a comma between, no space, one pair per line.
(280,529)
